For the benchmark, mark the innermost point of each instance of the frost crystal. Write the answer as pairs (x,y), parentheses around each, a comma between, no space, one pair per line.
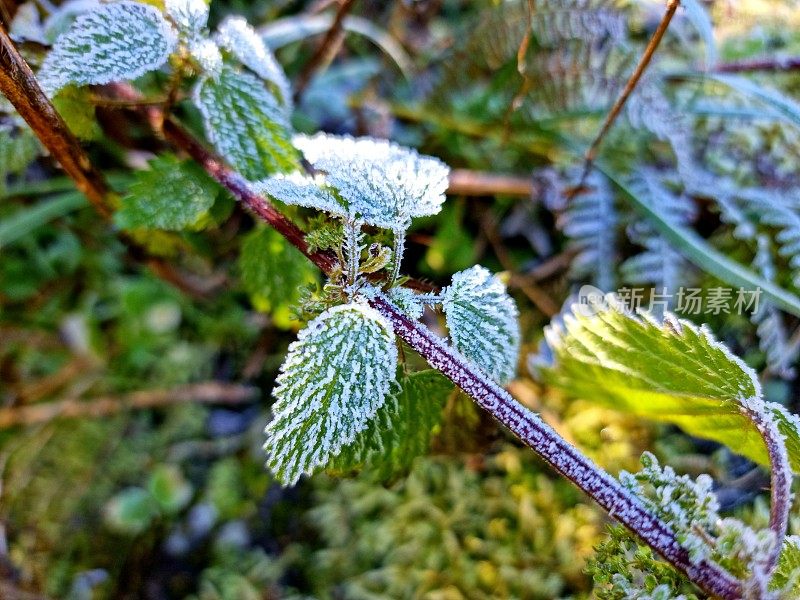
(241,40)
(190,16)
(300,190)
(335,378)
(206,53)
(482,320)
(407,301)
(112,42)
(382,183)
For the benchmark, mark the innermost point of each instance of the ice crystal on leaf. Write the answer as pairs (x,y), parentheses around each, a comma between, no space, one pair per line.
(190,16)
(668,370)
(245,123)
(301,190)
(335,378)
(241,40)
(482,320)
(380,182)
(112,42)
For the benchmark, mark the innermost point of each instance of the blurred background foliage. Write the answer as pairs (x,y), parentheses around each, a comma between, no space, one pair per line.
(154,486)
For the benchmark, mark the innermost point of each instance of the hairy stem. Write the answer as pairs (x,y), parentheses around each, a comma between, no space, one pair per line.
(398,248)
(352,247)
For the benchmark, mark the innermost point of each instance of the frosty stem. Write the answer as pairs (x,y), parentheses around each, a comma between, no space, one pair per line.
(398,248)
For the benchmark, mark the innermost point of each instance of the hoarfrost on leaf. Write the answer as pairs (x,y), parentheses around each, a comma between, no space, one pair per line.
(300,190)
(335,378)
(191,16)
(241,40)
(110,43)
(383,184)
(245,123)
(482,320)
(207,54)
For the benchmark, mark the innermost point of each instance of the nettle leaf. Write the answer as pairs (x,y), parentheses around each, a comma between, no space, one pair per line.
(335,378)
(301,190)
(113,42)
(787,574)
(669,371)
(402,427)
(74,106)
(241,40)
(482,320)
(191,16)
(171,194)
(379,182)
(245,123)
(273,273)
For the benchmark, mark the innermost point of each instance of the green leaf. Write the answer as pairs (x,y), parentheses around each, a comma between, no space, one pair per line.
(73,104)
(335,378)
(169,488)
(19,224)
(17,151)
(246,124)
(482,320)
(171,194)
(673,372)
(112,42)
(780,105)
(787,572)
(401,429)
(273,272)
(131,511)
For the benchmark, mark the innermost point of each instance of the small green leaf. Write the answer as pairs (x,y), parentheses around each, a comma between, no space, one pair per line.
(273,272)
(482,320)
(672,371)
(333,381)
(401,429)
(73,104)
(169,488)
(111,42)
(788,571)
(171,194)
(246,124)
(131,511)
(17,151)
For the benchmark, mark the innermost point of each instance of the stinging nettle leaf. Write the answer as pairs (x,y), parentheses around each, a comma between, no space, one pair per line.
(335,378)
(482,320)
(301,190)
(191,16)
(171,194)
(381,183)
(671,371)
(241,40)
(113,42)
(245,123)
(402,427)
(787,573)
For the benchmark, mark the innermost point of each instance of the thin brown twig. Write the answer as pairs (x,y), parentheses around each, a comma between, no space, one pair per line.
(466,182)
(211,392)
(326,50)
(641,67)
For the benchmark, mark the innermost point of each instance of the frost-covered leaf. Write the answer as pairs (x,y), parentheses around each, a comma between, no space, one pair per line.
(333,381)
(301,190)
(245,123)
(26,25)
(191,16)
(589,221)
(207,55)
(381,183)
(402,427)
(273,272)
(171,194)
(701,20)
(113,42)
(482,321)
(241,40)
(669,371)
(787,574)
(408,301)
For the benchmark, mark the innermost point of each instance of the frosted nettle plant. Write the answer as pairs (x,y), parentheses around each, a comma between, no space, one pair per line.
(344,397)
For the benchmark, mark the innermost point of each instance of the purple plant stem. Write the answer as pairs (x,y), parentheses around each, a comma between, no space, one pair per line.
(560,454)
